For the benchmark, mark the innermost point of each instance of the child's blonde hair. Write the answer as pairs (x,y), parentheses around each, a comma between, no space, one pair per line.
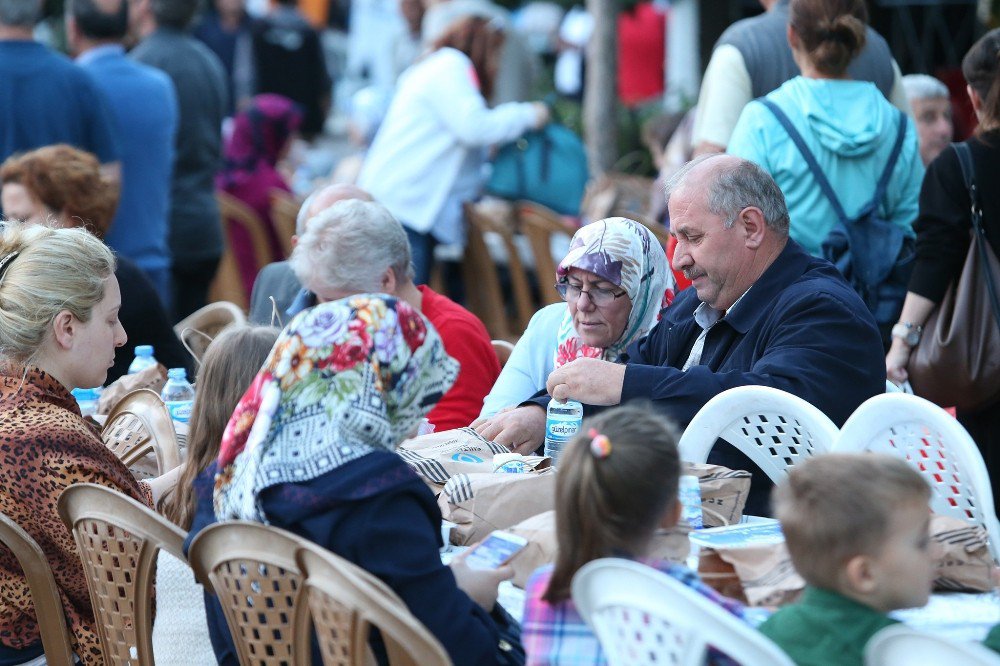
(611,499)
(837,506)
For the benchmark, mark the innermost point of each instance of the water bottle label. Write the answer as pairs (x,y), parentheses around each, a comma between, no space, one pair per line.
(690,497)
(563,429)
(180,410)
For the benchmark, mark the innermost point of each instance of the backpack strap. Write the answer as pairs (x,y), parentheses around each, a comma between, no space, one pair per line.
(979,238)
(814,167)
(897,148)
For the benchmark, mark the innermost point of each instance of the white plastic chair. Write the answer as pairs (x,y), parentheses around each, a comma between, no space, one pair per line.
(773,428)
(643,616)
(939,448)
(900,645)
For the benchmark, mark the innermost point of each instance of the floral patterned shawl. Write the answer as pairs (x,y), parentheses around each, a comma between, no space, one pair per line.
(626,254)
(344,379)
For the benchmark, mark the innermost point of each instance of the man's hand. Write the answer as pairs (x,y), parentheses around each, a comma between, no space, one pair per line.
(522,429)
(588,380)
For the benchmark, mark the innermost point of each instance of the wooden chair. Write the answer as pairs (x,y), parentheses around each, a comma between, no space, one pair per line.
(252,569)
(138,425)
(503,350)
(119,539)
(346,601)
(481,279)
(284,212)
(227,285)
(540,224)
(198,329)
(524,303)
(43,589)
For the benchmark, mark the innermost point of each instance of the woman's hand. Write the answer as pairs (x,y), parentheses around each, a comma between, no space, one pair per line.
(896,361)
(521,429)
(542,114)
(480,585)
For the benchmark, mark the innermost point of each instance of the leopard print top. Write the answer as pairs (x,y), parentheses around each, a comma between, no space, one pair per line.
(46,446)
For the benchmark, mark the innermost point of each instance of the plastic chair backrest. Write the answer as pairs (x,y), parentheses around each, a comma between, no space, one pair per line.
(284,211)
(927,437)
(252,569)
(900,644)
(503,350)
(119,539)
(140,424)
(346,601)
(227,284)
(540,224)
(199,328)
(643,616)
(775,429)
(43,589)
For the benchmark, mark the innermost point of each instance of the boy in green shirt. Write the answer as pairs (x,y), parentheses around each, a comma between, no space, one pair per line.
(857,530)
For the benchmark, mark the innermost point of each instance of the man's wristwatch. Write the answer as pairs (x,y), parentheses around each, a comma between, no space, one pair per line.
(909,333)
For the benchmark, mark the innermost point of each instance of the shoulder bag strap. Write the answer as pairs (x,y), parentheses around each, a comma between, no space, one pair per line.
(979,235)
(814,167)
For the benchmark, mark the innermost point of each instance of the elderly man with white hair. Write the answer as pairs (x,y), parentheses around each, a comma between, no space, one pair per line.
(276,288)
(356,247)
(931,106)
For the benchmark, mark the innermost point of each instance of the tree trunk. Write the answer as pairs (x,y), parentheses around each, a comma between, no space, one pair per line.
(601,88)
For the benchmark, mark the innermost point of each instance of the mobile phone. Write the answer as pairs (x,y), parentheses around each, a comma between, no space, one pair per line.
(498,549)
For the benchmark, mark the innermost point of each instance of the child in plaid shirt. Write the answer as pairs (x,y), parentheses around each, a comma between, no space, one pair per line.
(617,485)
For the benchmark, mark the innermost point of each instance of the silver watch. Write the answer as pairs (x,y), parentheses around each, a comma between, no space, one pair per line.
(908,332)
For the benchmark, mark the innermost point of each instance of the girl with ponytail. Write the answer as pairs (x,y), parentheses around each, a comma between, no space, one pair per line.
(617,486)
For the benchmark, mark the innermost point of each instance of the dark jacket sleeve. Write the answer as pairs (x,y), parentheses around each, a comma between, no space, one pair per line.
(394,537)
(146,323)
(817,348)
(942,227)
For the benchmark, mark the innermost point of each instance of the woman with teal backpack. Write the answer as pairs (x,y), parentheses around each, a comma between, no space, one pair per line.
(847,161)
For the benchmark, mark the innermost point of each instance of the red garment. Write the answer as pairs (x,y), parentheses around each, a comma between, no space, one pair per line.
(466,340)
(641,53)
(682,281)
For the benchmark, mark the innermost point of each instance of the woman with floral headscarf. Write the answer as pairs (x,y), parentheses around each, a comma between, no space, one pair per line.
(311,448)
(260,138)
(623,271)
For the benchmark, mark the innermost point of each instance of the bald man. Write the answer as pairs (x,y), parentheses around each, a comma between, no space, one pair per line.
(276,288)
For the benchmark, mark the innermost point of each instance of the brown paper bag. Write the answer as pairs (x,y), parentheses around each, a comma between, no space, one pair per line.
(540,531)
(962,561)
(723,492)
(152,378)
(438,456)
(764,573)
(481,503)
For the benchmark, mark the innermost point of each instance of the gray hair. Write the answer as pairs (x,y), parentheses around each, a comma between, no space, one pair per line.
(328,195)
(20,13)
(348,247)
(734,186)
(922,86)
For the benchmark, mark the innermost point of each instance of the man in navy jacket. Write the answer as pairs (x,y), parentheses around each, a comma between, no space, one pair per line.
(761,311)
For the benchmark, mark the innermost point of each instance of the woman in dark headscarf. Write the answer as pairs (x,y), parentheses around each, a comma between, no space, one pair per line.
(260,138)
(311,449)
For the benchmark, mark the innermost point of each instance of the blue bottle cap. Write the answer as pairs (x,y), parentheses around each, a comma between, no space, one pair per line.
(177,373)
(144,350)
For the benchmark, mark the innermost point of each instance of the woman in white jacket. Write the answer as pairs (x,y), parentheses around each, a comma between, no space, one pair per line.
(427,157)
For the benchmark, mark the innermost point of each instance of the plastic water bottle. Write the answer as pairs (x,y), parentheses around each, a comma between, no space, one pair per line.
(690,498)
(562,422)
(143,359)
(87,399)
(178,395)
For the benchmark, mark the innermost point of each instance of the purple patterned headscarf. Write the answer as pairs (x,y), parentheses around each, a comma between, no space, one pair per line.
(626,254)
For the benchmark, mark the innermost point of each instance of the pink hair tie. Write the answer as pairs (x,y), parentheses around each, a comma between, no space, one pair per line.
(600,445)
